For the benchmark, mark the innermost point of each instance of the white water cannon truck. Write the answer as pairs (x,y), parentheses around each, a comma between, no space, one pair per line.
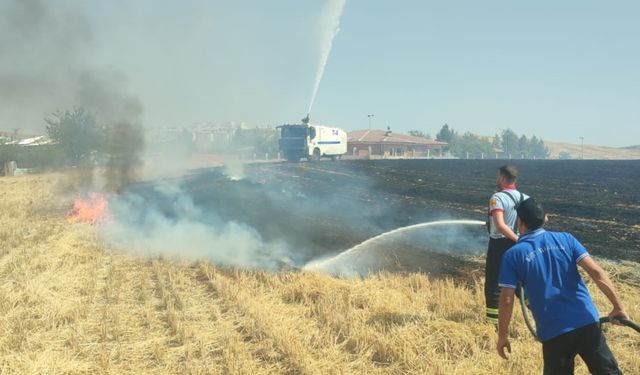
(311,141)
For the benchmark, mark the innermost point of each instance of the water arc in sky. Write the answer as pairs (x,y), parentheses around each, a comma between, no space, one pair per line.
(330,24)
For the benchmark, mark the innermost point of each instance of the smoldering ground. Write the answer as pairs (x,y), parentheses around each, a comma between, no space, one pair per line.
(165,222)
(278,216)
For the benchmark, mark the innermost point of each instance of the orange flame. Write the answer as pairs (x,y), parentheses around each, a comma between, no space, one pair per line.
(92,210)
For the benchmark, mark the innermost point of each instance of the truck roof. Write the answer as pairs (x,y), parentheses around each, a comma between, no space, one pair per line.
(292,126)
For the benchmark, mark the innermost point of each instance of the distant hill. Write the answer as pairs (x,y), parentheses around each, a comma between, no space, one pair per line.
(592,151)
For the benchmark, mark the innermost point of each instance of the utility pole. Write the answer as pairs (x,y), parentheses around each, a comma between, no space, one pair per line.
(370,116)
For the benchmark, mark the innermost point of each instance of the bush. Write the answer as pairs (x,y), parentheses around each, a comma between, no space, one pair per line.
(43,156)
(564,155)
(78,134)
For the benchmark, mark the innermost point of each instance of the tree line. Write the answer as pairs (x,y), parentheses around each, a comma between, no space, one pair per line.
(506,144)
(81,140)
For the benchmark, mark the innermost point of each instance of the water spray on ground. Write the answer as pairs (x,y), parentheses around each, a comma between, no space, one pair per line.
(346,261)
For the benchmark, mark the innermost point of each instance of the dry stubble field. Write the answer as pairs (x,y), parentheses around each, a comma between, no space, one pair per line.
(69,304)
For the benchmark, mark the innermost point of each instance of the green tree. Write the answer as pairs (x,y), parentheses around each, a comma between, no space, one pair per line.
(472,146)
(497,141)
(509,142)
(261,141)
(524,151)
(77,134)
(43,156)
(268,141)
(538,149)
(445,134)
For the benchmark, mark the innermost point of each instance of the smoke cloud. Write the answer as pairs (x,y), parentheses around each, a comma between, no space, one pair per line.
(280,215)
(46,50)
(169,224)
(105,92)
(43,47)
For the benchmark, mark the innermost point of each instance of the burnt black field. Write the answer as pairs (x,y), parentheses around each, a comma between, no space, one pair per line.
(326,207)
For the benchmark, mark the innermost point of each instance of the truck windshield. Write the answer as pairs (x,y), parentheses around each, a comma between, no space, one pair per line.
(294,132)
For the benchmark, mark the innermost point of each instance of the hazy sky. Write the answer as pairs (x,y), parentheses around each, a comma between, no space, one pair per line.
(558,70)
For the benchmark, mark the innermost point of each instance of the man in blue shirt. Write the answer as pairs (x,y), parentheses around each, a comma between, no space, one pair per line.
(545,264)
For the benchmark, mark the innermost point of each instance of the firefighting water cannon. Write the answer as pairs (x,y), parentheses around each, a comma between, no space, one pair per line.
(311,141)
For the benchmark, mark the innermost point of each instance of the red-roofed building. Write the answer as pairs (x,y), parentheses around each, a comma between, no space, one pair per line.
(376,143)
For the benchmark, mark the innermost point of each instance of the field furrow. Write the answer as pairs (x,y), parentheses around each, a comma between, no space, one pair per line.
(298,340)
(210,334)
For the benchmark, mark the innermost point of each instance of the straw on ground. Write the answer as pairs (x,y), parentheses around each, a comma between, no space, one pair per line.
(70,305)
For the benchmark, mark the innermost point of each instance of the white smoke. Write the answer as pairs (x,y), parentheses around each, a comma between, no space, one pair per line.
(330,26)
(141,225)
(234,168)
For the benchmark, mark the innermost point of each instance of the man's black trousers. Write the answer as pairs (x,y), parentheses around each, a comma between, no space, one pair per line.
(497,247)
(588,342)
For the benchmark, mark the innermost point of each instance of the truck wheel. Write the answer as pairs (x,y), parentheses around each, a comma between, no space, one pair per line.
(292,158)
(334,157)
(316,154)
